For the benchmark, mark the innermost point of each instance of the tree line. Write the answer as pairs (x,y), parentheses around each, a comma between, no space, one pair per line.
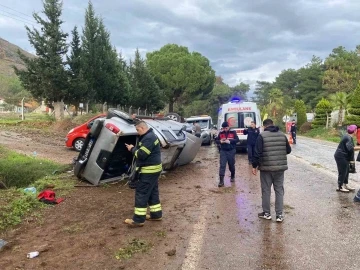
(330,83)
(90,70)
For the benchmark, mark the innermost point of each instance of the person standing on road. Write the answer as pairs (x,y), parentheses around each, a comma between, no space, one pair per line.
(293,130)
(149,166)
(227,139)
(270,158)
(197,129)
(253,133)
(344,155)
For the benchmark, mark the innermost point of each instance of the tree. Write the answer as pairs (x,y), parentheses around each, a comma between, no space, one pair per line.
(45,75)
(77,84)
(300,110)
(322,110)
(105,78)
(309,88)
(262,92)
(287,82)
(342,70)
(275,104)
(354,110)
(181,74)
(339,101)
(145,92)
(241,90)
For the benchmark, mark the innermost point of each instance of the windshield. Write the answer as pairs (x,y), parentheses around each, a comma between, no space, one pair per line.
(202,123)
(240,120)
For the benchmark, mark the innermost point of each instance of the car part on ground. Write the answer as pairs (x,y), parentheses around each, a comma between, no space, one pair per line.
(104,157)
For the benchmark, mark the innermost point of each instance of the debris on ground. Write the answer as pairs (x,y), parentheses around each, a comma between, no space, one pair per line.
(171,252)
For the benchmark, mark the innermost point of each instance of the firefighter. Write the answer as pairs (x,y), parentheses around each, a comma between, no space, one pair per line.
(227,139)
(149,166)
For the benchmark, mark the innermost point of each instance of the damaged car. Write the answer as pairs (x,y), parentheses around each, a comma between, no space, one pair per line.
(105,158)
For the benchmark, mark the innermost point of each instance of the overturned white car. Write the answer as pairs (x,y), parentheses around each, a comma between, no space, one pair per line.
(104,157)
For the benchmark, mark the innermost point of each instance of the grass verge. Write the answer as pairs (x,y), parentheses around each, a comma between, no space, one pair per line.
(15,204)
(17,170)
(331,135)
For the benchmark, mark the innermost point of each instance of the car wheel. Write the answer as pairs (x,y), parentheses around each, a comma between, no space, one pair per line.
(173,116)
(78,144)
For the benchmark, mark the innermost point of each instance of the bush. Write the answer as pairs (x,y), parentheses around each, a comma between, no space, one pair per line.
(322,109)
(300,109)
(354,110)
(305,127)
(18,170)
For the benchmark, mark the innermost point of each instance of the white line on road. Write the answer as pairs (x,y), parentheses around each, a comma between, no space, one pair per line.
(193,252)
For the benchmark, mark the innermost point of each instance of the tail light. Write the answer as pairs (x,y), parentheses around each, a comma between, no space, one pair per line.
(240,132)
(112,128)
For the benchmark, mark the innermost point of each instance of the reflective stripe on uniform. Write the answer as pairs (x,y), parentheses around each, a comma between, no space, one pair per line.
(152,169)
(140,211)
(147,151)
(155,208)
(156,142)
(136,153)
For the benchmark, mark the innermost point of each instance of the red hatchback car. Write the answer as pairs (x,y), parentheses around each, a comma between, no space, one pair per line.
(76,136)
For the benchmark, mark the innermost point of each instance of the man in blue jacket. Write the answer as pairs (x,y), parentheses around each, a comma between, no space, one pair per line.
(253,133)
(227,139)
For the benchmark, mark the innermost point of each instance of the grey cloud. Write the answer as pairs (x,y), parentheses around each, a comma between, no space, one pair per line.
(245,40)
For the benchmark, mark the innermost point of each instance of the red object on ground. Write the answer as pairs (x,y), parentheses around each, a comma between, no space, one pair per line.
(48,197)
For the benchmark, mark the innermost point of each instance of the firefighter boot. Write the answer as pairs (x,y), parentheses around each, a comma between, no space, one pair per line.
(132,223)
(221,183)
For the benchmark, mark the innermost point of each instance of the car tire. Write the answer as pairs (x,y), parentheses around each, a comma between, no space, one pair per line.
(78,144)
(173,116)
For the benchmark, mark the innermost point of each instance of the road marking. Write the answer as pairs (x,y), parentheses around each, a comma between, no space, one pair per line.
(193,252)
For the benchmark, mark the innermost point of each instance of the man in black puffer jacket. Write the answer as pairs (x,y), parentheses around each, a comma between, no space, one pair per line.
(227,139)
(270,158)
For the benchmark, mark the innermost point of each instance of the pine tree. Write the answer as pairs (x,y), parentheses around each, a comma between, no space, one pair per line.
(354,112)
(145,93)
(77,84)
(323,108)
(300,109)
(45,75)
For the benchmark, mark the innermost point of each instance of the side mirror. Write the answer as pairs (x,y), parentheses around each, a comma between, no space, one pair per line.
(181,130)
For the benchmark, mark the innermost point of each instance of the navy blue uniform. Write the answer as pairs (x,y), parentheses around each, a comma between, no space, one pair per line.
(293,132)
(227,151)
(148,162)
(253,134)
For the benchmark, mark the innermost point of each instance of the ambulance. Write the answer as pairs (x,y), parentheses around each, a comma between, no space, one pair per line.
(239,114)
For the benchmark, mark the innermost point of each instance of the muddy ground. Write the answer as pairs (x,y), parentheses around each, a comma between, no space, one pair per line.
(206,227)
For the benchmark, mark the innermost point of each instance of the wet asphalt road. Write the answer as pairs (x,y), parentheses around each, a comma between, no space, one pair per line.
(321,229)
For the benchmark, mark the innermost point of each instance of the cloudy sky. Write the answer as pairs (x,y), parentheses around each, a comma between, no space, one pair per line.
(245,40)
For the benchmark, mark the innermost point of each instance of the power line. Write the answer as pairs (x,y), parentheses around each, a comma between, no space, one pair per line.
(15,10)
(17,16)
(16,19)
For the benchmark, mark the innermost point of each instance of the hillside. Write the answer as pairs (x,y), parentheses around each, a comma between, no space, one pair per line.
(9,57)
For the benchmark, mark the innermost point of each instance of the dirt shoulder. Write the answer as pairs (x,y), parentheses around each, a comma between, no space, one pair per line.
(86,230)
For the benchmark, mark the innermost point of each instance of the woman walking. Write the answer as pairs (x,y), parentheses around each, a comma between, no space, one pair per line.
(344,155)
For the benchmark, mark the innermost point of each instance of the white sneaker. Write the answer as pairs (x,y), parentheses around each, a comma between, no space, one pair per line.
(342,189)
(350,188)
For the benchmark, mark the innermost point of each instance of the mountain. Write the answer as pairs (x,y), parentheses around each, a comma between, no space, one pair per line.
(9,57)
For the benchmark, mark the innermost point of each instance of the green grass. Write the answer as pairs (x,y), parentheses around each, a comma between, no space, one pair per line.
(330,134)
(18,170)
(135,246)
(15,203)
(15,118)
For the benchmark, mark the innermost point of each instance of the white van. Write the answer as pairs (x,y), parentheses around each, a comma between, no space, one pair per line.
(206,124)
(239,114)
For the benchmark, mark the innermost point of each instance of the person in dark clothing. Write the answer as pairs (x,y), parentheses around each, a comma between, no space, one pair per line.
(293,129)
(149,166)
(253,133)
(227,139)
(344,155)
(270,157)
